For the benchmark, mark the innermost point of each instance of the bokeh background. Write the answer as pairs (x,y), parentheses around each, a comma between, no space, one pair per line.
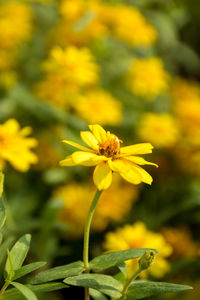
(134,68)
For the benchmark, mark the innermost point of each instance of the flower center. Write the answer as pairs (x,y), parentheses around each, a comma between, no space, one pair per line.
(111,147)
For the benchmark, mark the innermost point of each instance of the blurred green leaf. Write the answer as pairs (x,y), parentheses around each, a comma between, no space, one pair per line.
(3,248)
(59,272)
(28,269)
(96,295)
(18,253)
(2,213)
(141,288)
(29,294)
(111,259)
(1,183)
(103,283)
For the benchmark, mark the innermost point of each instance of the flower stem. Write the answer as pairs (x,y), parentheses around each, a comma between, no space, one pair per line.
(87,230)
(4,287)
(133,277)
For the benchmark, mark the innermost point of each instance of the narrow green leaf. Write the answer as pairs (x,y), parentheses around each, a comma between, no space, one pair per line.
(28,269)
(1,183)
(103,283)
(11,271)
(2,212)
(141,288)
(14,294)
(114,258)
(29,294)
(18,253)
(5,245)
(61,272)
(120,273)
(96,295)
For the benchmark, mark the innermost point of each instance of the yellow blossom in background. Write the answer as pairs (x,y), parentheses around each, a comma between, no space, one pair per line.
(159,129)
(138,236)
(8,79)
(129,25)
(110,208)
(15,23)
(105,153)
(147,78)
(15,146)
(181,241)
(98,106)
(186,107)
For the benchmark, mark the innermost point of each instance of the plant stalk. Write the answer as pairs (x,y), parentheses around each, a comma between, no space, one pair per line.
(133,277)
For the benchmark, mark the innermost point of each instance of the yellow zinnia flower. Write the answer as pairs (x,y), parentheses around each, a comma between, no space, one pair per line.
(107,156)
(15,146)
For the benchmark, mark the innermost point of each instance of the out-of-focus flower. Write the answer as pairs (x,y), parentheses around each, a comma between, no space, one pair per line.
(98,106)
(15,23)
(181,241)
(186,106)
(8,79)
(109,209)
(105,153)
(138,236)
(147,78)
(128,24)
(161,130)
(15,146)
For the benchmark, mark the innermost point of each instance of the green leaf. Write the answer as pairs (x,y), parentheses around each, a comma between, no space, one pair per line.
(61,272)
(11,271)
(5,245)
(18,253)
(103,283)
(141,288)
(28,269)
(1,183)
(114,258)
(120,273)
(2,213)
(25,291)
(14,294)
(96,295)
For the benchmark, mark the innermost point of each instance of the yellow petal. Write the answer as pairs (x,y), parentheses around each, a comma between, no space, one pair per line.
(99,133)
(90,140)
(87,159)
(142,148)
(67,162)
(146,177)
(102,176)
(140,161)
(76,145)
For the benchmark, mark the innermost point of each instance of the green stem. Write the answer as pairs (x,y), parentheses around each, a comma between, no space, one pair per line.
(133,277)
(4,287)
(87,230)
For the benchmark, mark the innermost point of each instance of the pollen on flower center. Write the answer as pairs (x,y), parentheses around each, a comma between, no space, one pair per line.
(111,147)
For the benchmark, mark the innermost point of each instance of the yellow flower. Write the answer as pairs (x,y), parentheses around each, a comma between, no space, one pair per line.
(15,23)
(147,78)
(91,107)
(109,209)
(161,130)
(15,146)
(138,236)
(105,153)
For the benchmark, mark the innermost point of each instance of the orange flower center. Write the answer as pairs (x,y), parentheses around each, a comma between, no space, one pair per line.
(111,147)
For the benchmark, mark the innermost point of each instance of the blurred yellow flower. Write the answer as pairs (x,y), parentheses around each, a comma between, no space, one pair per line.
(15,23)
(109,209)
(105,153)
(147,78)
(138,236)
(128,24)
(98,106)
(75,66)
(15,146)
(161,130)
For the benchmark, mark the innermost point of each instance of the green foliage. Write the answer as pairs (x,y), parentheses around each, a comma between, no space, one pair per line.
(61,272)
(28,293)
(28,269)
(112,259)
(140,289)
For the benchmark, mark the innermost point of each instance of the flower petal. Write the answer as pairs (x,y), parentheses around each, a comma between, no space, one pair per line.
(102,176)
(76,145)
(87,159)
(99,133)
(145,176)
(140,161)
(67,162)
(142,148)
(90,140)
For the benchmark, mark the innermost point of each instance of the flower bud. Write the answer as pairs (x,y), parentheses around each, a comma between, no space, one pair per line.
(146,260)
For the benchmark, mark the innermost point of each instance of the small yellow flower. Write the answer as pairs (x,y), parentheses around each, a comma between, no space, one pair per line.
(15,146)
(105,153)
